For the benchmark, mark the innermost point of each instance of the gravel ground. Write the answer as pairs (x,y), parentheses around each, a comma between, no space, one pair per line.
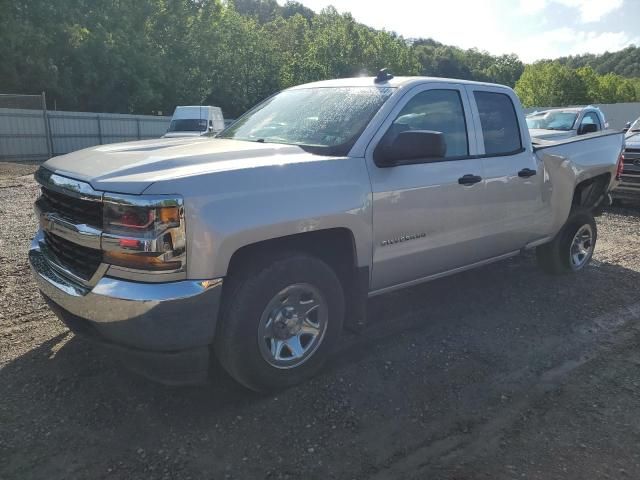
(498,373)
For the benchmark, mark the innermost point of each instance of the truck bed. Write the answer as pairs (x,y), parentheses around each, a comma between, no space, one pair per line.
(539,144)
(574,160)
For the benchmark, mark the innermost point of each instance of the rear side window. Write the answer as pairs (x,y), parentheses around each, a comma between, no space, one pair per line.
(439,111)
(499,122)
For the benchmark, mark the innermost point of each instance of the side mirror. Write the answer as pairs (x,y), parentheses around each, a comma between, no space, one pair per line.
(411,145)
(627,126)
(587,128)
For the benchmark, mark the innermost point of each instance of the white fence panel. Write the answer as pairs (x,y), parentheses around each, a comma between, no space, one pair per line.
(23,134)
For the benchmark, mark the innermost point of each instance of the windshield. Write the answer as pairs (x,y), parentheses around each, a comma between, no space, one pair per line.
(635,127)
(552,120)
(188,125)
(327,120)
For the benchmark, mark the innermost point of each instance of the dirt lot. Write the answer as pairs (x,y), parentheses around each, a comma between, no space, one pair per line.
(499,373)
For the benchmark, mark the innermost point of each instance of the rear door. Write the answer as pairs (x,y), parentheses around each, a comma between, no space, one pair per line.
(515,178)
(425,221)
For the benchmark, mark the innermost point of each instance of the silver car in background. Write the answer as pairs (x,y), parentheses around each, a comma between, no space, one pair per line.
(568,122)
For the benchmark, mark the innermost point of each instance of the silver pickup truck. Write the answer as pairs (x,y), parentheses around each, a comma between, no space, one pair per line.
(260,245)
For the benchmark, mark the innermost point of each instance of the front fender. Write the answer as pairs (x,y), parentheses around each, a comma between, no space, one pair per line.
(226,211)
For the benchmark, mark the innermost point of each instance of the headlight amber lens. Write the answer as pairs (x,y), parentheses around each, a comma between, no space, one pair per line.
(169,216)
(140,261)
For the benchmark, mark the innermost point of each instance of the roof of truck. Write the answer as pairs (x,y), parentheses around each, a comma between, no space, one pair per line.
(392,82)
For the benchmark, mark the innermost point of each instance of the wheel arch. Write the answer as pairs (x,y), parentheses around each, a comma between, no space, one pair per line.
(591,192)
(335,246)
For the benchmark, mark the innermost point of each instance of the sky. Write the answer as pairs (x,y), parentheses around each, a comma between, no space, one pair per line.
(532,29)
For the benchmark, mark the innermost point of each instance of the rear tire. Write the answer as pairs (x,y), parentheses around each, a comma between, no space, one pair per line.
(572,249)
(280,320)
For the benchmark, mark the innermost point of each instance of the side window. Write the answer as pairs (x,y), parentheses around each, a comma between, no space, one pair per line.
(499,123)
(439,111)
(591,117)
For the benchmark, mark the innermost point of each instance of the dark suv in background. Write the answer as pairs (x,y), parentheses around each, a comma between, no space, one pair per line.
(629,188)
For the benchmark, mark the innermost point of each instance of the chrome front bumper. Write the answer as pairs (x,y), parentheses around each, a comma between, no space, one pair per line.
(143,318)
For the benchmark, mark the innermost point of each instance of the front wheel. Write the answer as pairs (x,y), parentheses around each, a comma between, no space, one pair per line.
(572,249)
(280,321)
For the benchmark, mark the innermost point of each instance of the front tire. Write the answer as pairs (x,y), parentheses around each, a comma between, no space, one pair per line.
(572,249)
(280,320)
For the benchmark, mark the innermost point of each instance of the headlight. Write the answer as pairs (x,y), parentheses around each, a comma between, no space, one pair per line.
(145,234)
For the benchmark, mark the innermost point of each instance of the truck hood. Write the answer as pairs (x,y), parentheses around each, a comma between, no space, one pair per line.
(550,134)
(133,166)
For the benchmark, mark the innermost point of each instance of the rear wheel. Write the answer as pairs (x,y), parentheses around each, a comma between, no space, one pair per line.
(280,321)
(572,249)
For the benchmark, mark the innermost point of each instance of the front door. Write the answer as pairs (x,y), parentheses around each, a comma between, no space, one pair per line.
(428,216)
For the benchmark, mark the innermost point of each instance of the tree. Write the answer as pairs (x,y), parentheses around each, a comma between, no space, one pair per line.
(446,61)
(592,85)
(506,70)
(544,84)
(625,62)
(615,89)
(144,56)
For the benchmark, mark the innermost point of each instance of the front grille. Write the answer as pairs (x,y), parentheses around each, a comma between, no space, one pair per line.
(631,169)
(82,261)
(631,156)
(74,209)
(635,179)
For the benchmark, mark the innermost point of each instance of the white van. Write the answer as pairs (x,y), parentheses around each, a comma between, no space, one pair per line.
(193,121)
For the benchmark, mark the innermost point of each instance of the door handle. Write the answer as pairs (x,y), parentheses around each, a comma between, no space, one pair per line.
(526,173)
(469,179)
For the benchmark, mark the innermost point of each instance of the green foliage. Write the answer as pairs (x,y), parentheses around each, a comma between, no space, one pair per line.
(145,56)
(452,62)
(545,83)
(612,88)
(150,55)
(550,84)
(625,63)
